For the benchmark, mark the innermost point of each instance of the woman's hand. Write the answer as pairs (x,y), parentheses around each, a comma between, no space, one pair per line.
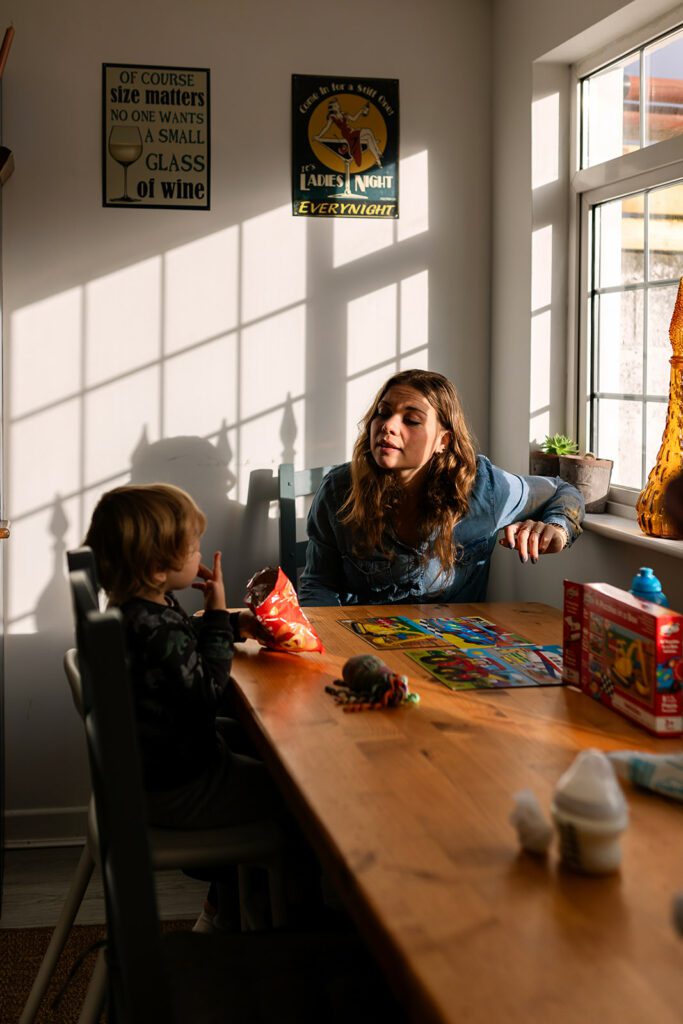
(533,538)
(212,585)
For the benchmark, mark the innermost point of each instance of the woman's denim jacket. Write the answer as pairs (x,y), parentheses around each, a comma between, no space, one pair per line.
(334,574)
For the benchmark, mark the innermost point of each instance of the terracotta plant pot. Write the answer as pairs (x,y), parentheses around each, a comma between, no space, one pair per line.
(544,464)
(589,475)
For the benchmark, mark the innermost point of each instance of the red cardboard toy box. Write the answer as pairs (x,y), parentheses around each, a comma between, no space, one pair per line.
(626,653)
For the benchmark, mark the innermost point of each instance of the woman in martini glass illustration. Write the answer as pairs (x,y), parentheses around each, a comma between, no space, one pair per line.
(350,143)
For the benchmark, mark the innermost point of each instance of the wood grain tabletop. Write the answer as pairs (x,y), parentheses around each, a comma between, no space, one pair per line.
(409,808)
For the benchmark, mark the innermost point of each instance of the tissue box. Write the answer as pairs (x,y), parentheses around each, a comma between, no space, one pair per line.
(626,653)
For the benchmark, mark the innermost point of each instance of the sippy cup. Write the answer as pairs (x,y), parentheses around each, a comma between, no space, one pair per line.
(590,814)
(646,586)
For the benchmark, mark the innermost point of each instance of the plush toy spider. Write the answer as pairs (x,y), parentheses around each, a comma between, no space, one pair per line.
(370,685)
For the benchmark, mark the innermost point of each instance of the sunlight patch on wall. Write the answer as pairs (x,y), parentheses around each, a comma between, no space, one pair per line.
(156,352)
(371,329)
(200,388)
(387,330)
(353,239)
(539,390)
(545,140)
(414,311)
(45,352)
(415,361)
(414,196)
(273,362)
(122,321)
(91,495)
(53,435)
(541,267)
(539,426)
(359,395)
(264,444)
(114,418)
(273,262)
(200,289)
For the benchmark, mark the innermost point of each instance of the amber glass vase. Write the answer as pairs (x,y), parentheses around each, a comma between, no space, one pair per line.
(652,517)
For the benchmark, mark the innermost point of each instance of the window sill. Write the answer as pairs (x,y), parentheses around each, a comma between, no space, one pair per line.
(624,528)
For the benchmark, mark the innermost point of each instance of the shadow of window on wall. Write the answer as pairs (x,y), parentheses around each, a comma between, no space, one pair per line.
(192,355)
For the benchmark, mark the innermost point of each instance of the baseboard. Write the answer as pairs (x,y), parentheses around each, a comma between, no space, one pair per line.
(45,826)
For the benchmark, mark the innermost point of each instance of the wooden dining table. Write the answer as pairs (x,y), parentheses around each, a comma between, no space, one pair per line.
(409,811)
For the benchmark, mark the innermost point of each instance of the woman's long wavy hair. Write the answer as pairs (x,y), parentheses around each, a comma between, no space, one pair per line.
(375,493)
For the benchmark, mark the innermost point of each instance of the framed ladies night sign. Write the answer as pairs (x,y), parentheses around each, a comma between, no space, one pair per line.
(344,147)
(155,136)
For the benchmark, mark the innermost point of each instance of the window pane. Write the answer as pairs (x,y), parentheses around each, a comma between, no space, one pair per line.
(660,306)
(665,233)
(620,236)
(611,112)
(663,107)
(655,420)
(620,351)
(619,438)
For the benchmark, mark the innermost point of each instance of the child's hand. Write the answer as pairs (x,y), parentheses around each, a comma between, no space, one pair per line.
(212,585)
(250,627)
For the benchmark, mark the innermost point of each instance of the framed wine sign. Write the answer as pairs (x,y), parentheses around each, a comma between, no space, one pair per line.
(156,141)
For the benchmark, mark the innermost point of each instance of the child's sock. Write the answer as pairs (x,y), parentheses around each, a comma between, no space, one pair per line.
(206,922)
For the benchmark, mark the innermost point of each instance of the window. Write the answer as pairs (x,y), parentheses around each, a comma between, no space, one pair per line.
(629,189)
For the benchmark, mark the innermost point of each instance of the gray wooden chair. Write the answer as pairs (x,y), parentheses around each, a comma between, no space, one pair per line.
(293,484)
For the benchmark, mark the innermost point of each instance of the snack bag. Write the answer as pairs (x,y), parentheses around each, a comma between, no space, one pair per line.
(273,600)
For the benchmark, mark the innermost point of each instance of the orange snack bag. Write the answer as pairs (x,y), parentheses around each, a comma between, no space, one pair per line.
(273,600)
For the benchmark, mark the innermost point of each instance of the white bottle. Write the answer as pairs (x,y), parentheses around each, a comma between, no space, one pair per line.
(590,814)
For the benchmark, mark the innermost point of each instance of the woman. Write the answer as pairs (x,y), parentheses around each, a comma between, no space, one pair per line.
(414,517)
(357,139)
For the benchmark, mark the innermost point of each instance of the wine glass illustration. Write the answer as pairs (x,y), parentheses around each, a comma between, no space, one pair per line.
(125,146)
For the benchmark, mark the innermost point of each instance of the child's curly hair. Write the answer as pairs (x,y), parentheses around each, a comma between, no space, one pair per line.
(139,530)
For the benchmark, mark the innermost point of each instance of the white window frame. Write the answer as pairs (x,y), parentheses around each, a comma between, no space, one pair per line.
(647,167)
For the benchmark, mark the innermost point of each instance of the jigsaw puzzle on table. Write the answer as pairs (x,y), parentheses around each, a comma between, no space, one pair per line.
(465,653)
(471,631)
(392,633)
(488,668)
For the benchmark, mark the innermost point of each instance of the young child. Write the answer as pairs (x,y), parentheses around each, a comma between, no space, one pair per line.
(146,542)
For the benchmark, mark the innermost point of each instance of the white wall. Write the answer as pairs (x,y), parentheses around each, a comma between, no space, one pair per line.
(534,44)
(197,346)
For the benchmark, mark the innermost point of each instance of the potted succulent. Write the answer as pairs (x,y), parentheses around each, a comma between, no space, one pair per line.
(560,456)
(546,460)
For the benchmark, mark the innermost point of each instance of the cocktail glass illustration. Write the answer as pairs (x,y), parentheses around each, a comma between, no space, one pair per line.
(341,148)
(125,146)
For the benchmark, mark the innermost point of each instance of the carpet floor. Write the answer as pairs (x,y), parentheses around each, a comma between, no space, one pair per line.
(21,951)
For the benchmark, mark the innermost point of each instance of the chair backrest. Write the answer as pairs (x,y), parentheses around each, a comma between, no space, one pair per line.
(137,990)
(73,676)
(83,558)
(293,484)
(84,600)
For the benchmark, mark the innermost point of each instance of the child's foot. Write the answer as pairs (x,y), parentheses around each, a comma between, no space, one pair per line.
(206,922)
(210,920)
